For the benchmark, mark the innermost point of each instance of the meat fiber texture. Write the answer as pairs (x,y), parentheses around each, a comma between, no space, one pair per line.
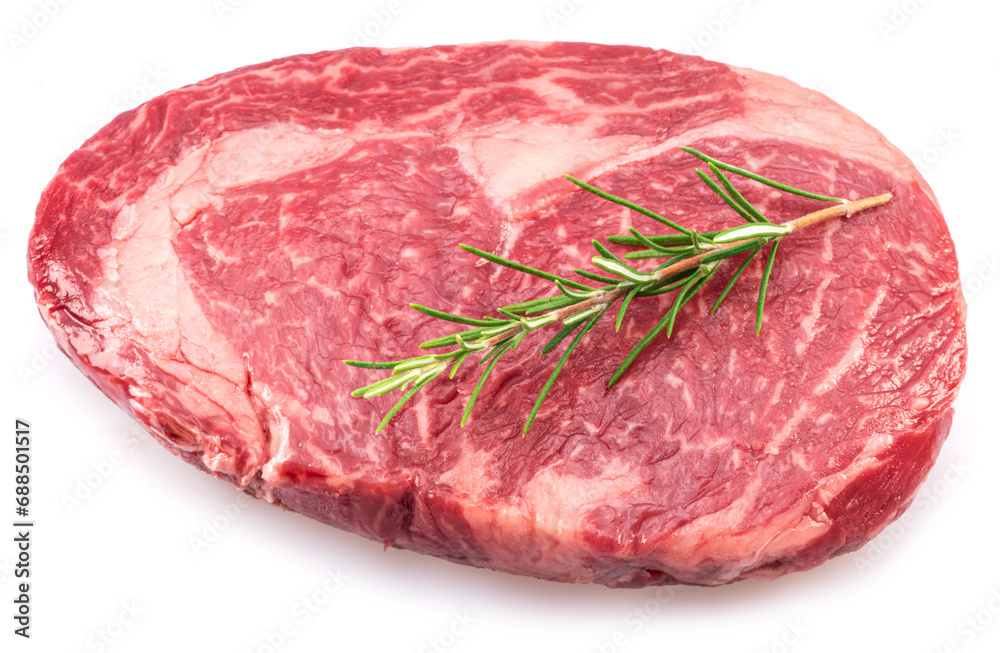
(210,258)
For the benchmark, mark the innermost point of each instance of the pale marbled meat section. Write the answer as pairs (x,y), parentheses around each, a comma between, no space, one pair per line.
(211,257)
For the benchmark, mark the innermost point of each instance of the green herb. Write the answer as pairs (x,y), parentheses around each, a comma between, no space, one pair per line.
(690,259)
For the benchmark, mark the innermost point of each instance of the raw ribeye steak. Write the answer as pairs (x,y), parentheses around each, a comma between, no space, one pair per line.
(209,259)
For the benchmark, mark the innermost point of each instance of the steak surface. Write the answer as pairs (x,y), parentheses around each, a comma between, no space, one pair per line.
(209,259)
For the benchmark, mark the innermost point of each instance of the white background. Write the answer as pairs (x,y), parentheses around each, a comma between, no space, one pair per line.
(924,73)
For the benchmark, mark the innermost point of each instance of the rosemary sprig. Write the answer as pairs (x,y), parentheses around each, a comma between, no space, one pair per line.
(690,260)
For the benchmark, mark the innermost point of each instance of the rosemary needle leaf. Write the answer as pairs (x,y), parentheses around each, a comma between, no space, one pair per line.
(733,204)
(678,253)
(458,363)
(520,267)
(698,286)
(729,252)
(449,341)
(482,381)
(559,337)
(683,275)
(623,270)
(638,348)
(631,205)
(747,231)
(756,215)
(732,281)
(660,239)
(572,293)
(649,243)
(666,320)
(386,386)
(586,274)
(582,316)
(503,328)
(540,305)
(674,251)
(662,291)
(669,262)
(558,368)
(451,317)
(644,254)
(413,363)
(371,365)
(763,284)
(693,284)
(402,402)
(517,339)
(605,252)
(756,177)
(619,239)
(506,312)
(624,307)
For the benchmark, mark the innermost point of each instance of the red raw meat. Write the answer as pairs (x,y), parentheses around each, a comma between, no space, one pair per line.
(209,258)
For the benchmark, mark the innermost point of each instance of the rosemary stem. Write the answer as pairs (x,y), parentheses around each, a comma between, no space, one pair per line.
(608,297)
(604,298)
(843,209)
(840,210)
